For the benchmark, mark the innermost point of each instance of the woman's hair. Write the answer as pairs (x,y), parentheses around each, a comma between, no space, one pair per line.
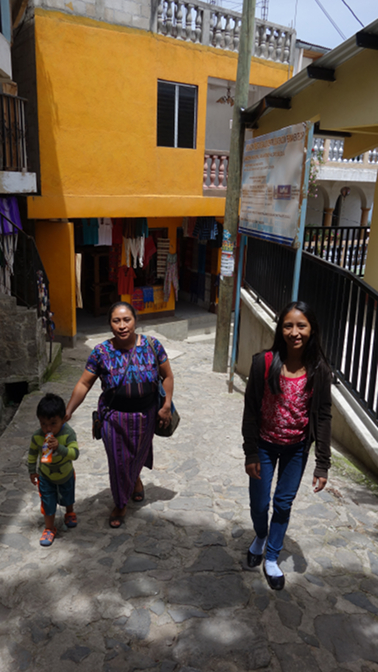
(312,354)
(125,305)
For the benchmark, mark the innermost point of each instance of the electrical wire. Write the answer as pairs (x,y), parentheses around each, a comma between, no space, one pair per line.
(295,14)
(352,12)
(330,19)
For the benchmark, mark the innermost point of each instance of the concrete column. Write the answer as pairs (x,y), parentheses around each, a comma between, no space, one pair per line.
(327,144)
(371,269)
(328,216)
(364,216)
(56,247)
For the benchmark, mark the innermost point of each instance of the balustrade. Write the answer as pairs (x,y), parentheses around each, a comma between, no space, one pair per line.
(336,151)
(203,23)
(215,171)
(373,156)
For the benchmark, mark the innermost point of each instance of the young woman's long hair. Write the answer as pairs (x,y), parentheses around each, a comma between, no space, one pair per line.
(312,355)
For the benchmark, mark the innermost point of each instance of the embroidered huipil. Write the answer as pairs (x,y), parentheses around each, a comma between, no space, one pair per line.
(285,417)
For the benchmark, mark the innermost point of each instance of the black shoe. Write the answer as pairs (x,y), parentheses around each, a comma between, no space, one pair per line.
(275,582)
(253,560)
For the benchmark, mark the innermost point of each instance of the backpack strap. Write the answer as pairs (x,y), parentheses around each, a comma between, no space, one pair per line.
(151,344)
(268,362)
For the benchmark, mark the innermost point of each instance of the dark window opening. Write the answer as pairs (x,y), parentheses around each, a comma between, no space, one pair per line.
(15,392)
(176,115)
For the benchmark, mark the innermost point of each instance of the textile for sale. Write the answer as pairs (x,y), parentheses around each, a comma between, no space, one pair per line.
(148,296)
(126,280)
(9,208)
(105,227)
(135,246)
(206,228)
(149,250)
(115,254)
(171,277)
(162,253)
(117,231)
(137,299)
(201,256)
(141,227)
(90,231)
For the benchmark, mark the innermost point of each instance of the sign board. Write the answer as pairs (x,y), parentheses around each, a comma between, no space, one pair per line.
(271,184)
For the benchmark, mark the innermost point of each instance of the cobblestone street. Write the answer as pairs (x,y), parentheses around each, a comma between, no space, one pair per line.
(169,591)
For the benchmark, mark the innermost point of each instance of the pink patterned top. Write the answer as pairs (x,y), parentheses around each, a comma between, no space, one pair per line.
(284,417)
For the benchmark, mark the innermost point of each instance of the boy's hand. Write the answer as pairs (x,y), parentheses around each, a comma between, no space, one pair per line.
(34,479)
(53,443)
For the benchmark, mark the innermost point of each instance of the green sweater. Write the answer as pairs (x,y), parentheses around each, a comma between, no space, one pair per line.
(60,469)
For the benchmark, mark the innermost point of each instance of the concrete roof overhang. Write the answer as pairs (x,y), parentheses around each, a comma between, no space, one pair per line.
(339,93)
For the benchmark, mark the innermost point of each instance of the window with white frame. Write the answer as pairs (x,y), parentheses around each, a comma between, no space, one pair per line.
(176,115)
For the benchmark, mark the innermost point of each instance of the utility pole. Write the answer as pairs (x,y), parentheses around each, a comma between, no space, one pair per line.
(234,179)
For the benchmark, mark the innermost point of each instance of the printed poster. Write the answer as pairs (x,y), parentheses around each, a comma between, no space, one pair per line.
(271,184)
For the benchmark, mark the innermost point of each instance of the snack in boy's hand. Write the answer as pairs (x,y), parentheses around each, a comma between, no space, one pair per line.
(47,452)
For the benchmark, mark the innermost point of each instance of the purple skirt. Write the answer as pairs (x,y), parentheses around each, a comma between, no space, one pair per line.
(128,443)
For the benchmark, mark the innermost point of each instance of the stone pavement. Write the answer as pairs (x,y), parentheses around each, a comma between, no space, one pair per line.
(169,591)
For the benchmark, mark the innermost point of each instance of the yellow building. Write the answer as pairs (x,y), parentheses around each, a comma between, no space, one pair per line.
(125,107)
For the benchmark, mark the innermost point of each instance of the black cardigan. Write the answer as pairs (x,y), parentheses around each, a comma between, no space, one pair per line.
(319,421)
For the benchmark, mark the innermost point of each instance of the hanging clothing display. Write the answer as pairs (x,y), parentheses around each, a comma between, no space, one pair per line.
(90,231)
(188,225)
(117,231)
(135,246)
(206,228)
(148,296)
(141,227)
(105,227)
(163,245)
(43,300)
(171,277)
(9,208)
(126,280)
(149,251)
(137,299)
(115,254)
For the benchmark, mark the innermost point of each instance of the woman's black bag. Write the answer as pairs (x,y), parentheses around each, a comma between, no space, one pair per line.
(175,419)
(96,425)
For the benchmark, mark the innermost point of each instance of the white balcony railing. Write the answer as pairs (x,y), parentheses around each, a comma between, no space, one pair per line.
(333,151)
(202,23)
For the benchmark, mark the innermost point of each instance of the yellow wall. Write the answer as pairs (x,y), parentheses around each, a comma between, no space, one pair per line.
(55,242)
(97,109)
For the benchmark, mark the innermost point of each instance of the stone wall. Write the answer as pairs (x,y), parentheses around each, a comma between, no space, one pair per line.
(23,355)
(132,13)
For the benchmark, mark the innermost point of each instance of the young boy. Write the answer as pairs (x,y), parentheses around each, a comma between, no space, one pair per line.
(55,479)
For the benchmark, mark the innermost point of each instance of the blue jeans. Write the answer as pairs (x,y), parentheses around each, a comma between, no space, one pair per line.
(54,493)
(291,465)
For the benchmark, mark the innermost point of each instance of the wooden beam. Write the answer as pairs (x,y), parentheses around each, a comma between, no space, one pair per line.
(367,40)
(325,74)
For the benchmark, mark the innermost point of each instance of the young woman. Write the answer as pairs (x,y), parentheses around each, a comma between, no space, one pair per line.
(126,366)
(287,407)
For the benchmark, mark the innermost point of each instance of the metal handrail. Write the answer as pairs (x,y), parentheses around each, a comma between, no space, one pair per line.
(345,246)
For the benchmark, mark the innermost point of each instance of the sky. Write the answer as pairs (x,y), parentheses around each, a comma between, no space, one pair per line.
(311,23)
